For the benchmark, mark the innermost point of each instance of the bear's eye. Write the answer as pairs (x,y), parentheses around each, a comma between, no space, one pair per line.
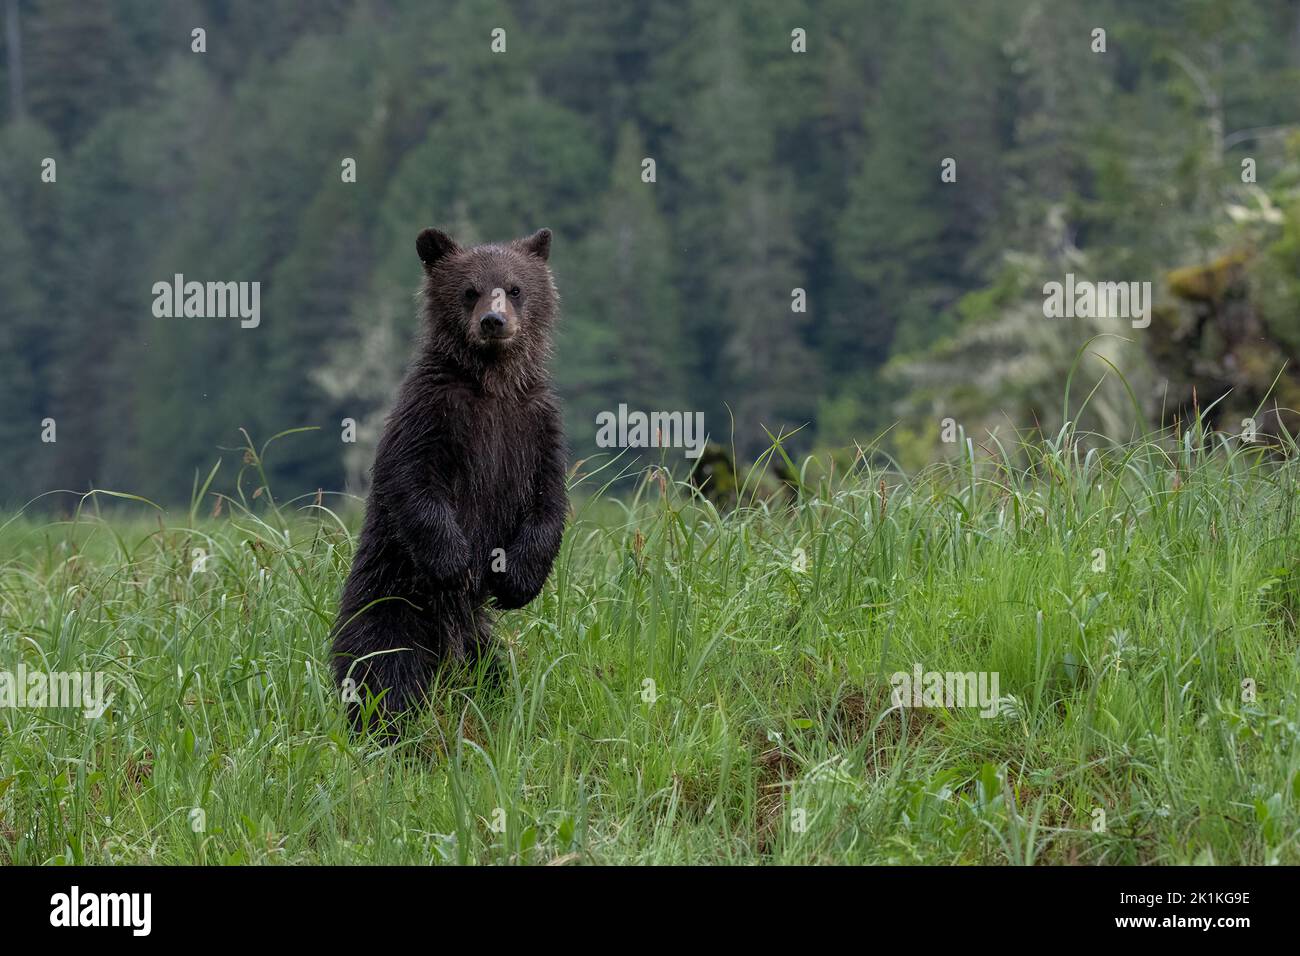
(471,296)
(514,292)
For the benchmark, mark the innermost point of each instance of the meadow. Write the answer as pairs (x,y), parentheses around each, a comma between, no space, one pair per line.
(695,686)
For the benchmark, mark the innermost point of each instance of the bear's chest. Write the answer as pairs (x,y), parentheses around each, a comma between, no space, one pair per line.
(496,469)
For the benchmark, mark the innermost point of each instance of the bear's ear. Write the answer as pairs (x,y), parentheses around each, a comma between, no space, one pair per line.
(538,244)
(433,245)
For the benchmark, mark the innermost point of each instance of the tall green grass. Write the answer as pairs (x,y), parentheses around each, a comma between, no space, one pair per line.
(696,687)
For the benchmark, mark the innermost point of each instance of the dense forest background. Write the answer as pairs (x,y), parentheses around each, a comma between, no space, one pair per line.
(1171,157)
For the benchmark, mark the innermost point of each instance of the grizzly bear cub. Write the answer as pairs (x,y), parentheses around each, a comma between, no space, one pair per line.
(467,499)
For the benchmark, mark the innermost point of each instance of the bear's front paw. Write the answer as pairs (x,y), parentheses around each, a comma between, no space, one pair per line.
(512,590)
(448,567)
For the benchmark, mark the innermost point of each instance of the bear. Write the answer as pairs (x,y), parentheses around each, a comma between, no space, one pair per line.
(468,497)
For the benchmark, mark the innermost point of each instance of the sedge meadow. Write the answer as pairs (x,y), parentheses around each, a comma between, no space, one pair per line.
(695,686)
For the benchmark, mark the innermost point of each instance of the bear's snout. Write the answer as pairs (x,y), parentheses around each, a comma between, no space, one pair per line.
(494,320)
(494,326)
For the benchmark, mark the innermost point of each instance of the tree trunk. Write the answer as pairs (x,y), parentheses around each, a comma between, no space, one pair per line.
(14,56)
(1295,34)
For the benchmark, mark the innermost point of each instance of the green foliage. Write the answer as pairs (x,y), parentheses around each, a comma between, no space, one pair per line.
(775,171)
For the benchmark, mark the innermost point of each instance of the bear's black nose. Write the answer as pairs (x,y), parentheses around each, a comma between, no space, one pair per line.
(492,324)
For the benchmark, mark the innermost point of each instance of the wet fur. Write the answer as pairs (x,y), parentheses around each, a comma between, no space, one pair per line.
(472,458)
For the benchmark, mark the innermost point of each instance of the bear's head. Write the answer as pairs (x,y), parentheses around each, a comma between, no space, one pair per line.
(489,308)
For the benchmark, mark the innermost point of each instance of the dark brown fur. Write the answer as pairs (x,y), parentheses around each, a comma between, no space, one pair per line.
(472,459)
